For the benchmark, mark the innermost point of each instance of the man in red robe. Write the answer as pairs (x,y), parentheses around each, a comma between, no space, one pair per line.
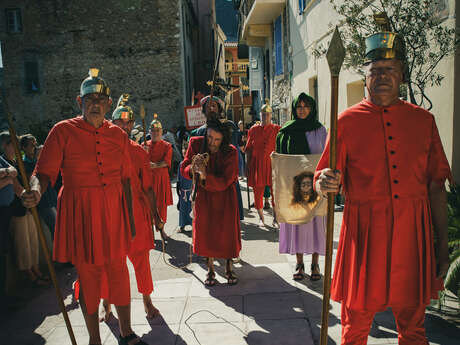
(392,167)
(160,155)
(261,143)
(93,225)
(216,224)
(144,207)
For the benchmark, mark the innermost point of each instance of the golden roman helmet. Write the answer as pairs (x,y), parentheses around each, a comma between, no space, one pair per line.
(155,123)
(266,108)
(123,111)
(94,84)
(385,45)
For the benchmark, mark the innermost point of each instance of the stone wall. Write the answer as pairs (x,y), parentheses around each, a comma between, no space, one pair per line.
(136,43)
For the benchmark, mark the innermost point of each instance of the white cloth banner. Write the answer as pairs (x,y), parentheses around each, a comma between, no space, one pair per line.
(284,169)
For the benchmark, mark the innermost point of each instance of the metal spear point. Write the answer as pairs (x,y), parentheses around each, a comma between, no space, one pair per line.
(335,56)
(142,115)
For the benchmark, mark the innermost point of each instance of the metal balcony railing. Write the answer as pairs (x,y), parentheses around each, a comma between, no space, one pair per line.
(236,67)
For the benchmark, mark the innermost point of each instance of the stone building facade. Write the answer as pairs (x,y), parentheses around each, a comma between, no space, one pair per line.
(142,48)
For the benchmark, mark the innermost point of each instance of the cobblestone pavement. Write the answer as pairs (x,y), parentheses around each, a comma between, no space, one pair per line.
(265,307)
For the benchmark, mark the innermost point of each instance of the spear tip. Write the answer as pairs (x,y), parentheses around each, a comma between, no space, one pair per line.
(335,53)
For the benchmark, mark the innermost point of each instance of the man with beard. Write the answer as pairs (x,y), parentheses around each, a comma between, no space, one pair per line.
(94,224)
(392,167)
(216,225)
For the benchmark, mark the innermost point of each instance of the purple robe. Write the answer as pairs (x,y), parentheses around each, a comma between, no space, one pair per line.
(311,237)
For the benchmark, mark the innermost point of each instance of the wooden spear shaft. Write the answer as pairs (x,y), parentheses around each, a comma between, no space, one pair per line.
(34,212)
(335,56)
(245,156)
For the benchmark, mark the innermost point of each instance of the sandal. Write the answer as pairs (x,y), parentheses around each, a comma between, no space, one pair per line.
(300,270)
(232,279)
(210,279)
(128,338)
(39,282)
(315,276)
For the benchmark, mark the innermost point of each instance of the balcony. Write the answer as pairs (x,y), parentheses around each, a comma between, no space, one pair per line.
(236,67)
(258,23)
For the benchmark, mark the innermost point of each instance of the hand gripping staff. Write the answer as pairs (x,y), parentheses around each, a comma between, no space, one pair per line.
(34,212)
(335,55)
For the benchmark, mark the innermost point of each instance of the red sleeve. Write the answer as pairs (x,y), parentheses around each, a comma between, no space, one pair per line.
(50,160)
(126,168)
(250,141)
(230,174)
(168,155)
(146,171)
(341,156)
(438,166)
(187,162)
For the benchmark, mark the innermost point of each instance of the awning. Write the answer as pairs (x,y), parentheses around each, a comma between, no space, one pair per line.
(260,18)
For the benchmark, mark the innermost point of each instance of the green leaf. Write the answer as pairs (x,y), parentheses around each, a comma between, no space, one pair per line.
(452,281)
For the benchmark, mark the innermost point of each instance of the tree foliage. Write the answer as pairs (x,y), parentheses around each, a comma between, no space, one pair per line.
(427,37)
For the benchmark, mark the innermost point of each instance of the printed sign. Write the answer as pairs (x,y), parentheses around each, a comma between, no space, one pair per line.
(194,117)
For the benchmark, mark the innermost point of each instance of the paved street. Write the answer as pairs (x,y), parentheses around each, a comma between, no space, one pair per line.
(266,307)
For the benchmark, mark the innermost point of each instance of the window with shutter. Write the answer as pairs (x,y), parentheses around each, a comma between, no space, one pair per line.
(13,20)
(278,47)
(32,82)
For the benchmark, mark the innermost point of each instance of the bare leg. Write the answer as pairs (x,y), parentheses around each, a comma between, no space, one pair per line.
(150,310)
(315,272)
(92,322)
(299,268)
(231,277)
(124,319)
(211,275)
(260,211)
(105,311)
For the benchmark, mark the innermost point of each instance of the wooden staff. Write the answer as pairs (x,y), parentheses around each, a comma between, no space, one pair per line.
(38,224)
(335,56)
(245,155)
(142,115)
(196,180)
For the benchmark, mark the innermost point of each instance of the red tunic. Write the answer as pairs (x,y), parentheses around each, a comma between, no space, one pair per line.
(216,225)
(388,157)
(161,151)
(141,180)
(92,223)
(261,143)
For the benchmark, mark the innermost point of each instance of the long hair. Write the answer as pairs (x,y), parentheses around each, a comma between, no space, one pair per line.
(297,192)
(223,127)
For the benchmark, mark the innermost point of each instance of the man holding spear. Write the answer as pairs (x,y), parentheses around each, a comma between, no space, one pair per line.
(392,168)
(94,222)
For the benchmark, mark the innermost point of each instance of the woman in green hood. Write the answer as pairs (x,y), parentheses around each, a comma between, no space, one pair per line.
(303,135)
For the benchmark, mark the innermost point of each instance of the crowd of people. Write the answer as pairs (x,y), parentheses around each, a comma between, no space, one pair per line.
(115,191)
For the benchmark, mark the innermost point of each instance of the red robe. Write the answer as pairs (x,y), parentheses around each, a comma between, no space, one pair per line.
(261,143)
(216,225)
(388,157)
(141,180)
(161,151)
(92,224)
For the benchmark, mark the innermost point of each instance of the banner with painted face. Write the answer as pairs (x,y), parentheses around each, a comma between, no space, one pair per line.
(295,200)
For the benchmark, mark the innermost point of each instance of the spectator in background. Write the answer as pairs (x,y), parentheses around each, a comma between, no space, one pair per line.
(170,137)
(7,176)
(184,191)
(22,224)
(48,202)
